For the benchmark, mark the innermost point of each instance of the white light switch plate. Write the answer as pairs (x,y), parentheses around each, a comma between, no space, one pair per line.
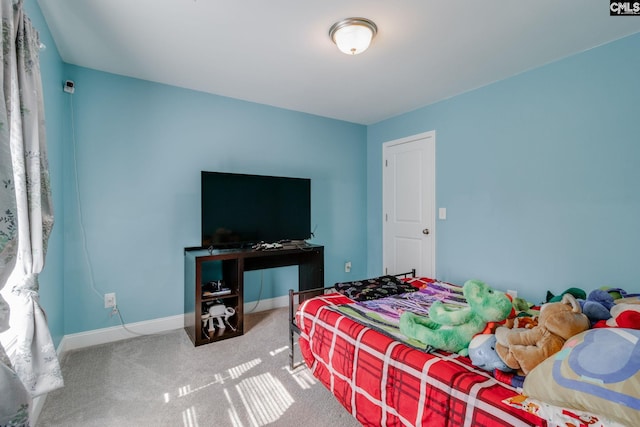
(442,213)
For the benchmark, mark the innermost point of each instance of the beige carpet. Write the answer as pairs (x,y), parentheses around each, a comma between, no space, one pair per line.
(163,380)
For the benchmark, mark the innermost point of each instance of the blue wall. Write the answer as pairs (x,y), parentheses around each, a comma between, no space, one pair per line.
(539,174)
(52,278)
(140,147)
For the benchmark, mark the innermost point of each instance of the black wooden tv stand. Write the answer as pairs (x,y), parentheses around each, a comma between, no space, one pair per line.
(230,268)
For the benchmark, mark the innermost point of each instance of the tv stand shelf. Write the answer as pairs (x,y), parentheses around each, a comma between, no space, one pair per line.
(229,265)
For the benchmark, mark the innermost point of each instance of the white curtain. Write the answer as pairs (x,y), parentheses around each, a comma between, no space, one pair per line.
(28,361)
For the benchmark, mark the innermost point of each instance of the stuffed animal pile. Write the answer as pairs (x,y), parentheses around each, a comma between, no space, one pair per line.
(522,343)
(501,334)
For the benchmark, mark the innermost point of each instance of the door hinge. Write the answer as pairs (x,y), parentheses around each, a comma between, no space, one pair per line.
(386,217)
(386,162)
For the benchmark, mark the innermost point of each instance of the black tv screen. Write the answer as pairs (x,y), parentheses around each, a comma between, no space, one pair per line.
(239,210)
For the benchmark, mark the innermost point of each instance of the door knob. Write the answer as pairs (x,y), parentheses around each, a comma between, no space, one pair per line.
(425,231)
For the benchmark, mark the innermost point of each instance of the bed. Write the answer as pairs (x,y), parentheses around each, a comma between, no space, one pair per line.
(383,380)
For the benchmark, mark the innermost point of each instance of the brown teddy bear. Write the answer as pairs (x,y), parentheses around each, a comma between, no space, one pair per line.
(524,349)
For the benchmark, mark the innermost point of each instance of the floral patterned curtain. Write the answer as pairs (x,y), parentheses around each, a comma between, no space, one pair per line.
(28,361)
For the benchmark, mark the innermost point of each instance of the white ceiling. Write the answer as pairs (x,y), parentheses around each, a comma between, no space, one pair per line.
(278,52)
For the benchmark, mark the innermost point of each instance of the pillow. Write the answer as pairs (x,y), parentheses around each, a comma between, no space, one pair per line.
(597,371)
(558,416)
(379,287)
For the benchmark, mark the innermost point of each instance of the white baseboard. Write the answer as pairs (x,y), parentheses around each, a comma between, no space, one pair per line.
(115,333)
(266,304)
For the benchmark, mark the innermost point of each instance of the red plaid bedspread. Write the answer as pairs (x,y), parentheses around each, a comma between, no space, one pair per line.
(382,382)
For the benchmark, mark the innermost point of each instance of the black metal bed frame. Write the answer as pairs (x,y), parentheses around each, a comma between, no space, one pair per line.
(293,327)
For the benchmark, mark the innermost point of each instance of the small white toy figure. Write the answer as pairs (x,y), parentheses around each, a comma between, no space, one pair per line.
(220,313)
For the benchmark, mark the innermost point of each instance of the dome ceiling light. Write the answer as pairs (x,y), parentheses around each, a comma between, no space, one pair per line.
(353,35)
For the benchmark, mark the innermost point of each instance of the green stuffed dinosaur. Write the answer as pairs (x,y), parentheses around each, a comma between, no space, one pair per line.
(452,329)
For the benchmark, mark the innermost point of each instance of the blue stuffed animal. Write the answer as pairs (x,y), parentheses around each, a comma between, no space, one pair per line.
(597,306)
(451,329)
(483,354)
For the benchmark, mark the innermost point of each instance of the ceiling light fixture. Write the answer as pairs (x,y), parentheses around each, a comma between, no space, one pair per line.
(353,35)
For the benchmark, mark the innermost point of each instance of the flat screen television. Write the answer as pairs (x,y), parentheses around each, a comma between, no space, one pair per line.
(239,210)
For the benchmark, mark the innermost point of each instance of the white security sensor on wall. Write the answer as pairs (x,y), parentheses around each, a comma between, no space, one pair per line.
(69,86)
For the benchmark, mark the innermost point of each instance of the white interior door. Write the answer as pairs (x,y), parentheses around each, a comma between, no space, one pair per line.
(408,201)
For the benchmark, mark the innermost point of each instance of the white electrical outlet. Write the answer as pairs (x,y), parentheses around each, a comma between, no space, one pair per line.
(513,293)
(110,300)
(347,267)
